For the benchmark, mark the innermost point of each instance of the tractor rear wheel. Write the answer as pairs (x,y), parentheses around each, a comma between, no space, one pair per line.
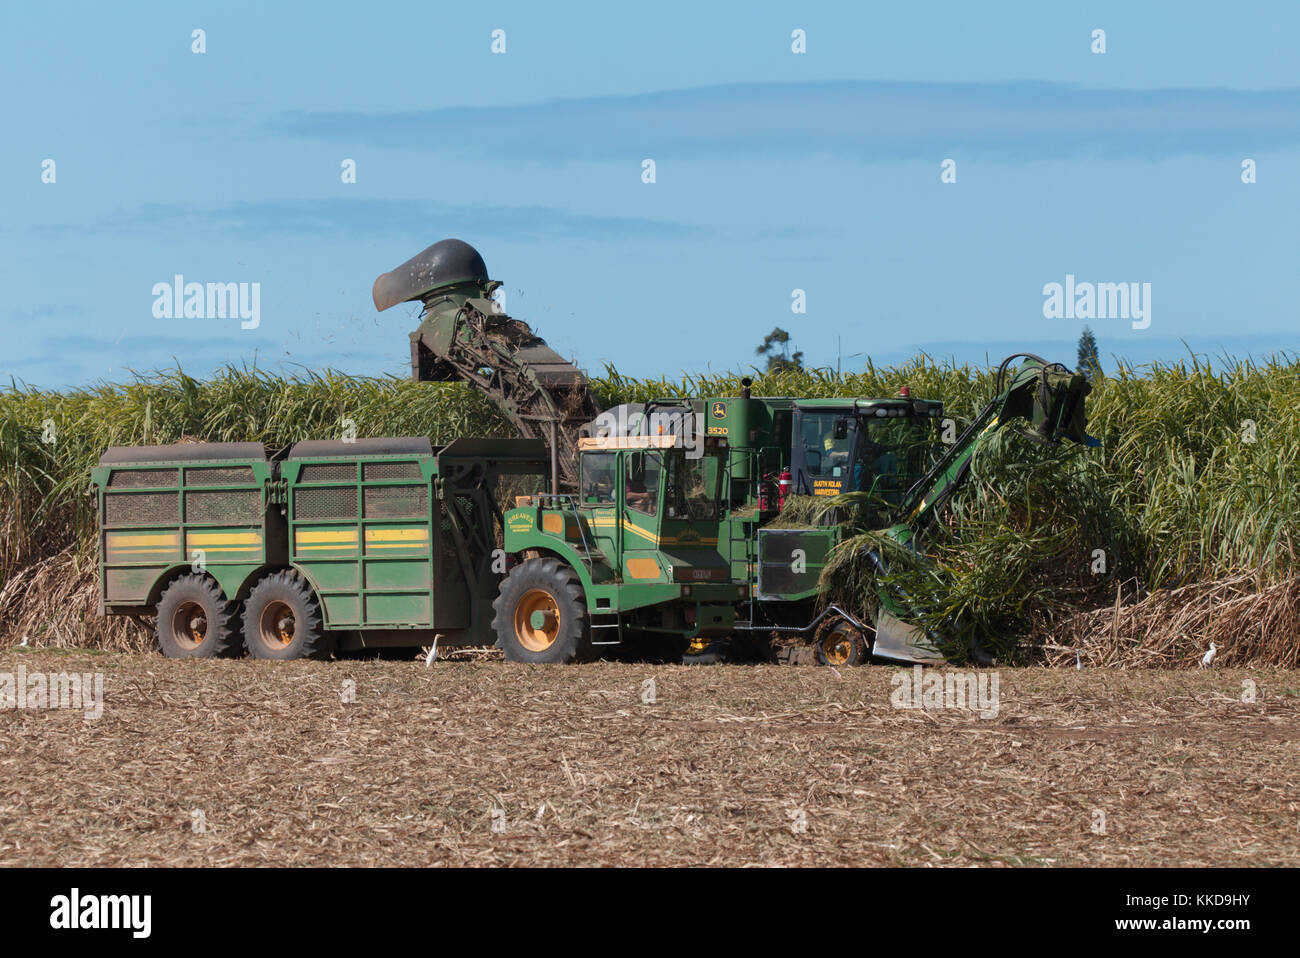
(282,620)
(541,614)
(840,642)
(196,622)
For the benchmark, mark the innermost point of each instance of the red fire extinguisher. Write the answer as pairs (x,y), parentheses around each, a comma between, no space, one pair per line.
(784,483)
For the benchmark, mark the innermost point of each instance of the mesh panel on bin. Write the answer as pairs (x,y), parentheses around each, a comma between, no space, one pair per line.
(396,502)
(141,478)
(148,508)
(328,472)
(325,503)
(231,476)
(238,505)
(390,470)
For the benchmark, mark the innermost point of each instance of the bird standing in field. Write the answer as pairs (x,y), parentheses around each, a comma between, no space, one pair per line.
(1207,660)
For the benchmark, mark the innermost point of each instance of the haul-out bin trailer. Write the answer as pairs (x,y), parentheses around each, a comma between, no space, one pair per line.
(326,544)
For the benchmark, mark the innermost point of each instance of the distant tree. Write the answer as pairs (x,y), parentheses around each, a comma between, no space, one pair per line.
(776,347)
(1089,362)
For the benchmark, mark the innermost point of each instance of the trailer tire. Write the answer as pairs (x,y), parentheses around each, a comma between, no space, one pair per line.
(196,622)
(839,642)
(282,620)
(541,614)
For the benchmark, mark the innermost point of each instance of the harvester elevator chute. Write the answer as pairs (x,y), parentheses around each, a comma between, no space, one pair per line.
(464,336)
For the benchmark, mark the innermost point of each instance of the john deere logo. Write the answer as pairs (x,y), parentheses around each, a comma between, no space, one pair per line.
(719,410)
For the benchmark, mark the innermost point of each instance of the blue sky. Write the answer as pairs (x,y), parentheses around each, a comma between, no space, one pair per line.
(774,172)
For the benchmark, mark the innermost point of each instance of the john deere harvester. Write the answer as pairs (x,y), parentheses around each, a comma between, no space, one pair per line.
(885,455)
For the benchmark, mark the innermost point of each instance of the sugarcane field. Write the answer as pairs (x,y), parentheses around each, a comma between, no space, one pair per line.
(398,472)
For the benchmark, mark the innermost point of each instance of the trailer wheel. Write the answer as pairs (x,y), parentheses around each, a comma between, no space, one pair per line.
(196,622)
(282,620)
(840,642)
(541,614)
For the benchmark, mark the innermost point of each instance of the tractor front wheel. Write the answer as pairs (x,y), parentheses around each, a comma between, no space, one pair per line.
(840,642)
(541,614)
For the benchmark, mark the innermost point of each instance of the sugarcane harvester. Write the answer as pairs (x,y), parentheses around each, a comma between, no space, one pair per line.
(465,336)
(878,458)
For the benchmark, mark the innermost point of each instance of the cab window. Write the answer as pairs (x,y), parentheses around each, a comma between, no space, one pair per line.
(691,489)
(596,478)
(824,455)
(641,489)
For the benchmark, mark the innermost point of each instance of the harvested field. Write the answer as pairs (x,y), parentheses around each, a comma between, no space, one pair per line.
(485,763)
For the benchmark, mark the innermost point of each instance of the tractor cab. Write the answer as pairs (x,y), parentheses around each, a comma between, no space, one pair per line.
(647,512)
(654,505)
(877,446)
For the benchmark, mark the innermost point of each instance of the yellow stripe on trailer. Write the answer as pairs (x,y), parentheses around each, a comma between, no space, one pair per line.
(345,536)
(397,539)
(141,545)
(392,535)
(157,540)
(225,539)
(321,540)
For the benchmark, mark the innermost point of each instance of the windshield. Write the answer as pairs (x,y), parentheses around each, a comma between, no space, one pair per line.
(642,485)
(824,455)
(894,453)
(596,482)
(691,487)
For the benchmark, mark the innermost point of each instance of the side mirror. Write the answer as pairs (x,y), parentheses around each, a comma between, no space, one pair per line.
(841,430)
(636,467)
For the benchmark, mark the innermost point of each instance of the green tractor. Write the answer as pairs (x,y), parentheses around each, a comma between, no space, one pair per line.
(637,550)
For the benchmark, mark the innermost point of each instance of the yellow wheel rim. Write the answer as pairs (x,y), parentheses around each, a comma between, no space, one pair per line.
(277,624)
(537,620)
(190,624)
(838,647)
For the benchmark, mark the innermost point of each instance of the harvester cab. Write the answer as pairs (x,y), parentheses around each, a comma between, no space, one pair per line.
(876,446)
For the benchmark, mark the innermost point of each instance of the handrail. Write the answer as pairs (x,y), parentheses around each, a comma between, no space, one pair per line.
(551,500)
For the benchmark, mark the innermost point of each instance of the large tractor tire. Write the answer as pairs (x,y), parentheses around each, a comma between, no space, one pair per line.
(541,614)
(196,622)
(840,642)
(282,620)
